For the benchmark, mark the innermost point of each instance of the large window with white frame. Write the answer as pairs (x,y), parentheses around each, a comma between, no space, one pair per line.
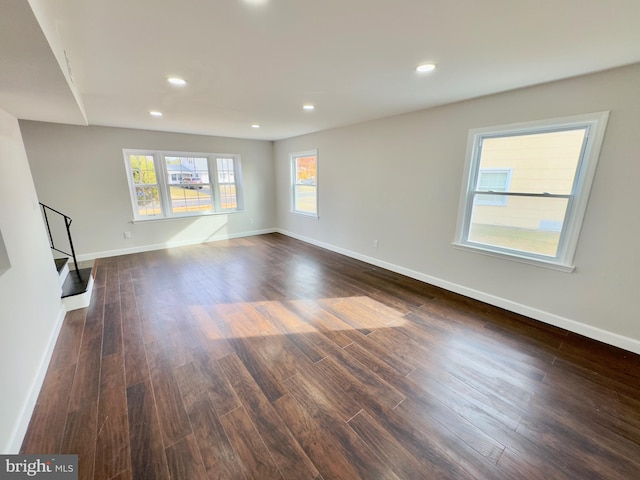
(180,184)
(526,188)
(304,182)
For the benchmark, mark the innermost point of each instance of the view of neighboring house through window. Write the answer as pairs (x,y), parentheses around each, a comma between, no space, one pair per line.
(304,174)
(189,186)
(526,188)
(172,184)
(493,181)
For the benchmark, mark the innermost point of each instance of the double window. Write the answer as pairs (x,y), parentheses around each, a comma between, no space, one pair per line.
(304,182)
(178,184)
(526,187)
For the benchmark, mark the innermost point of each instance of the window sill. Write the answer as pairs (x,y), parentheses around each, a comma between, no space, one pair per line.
(515,258)
(305,214)
(185,217)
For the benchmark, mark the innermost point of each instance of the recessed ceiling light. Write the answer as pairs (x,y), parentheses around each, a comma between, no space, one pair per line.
(308,107)
(426,67)
(155,113)
(255,125)
(176,81)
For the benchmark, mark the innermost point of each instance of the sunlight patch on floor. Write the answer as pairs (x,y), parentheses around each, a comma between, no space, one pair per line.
(267,318)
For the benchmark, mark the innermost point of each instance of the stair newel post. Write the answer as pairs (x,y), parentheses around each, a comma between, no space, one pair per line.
(67,221)
(46,221)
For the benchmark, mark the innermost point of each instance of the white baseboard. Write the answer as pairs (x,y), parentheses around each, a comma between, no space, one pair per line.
(160,246)
(22,424)
(574,326)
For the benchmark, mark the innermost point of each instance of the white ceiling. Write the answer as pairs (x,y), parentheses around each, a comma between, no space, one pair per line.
(259,61)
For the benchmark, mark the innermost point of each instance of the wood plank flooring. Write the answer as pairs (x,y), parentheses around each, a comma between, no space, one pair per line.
(267,358)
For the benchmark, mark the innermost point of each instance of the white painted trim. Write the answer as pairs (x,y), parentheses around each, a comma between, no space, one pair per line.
(182,217)
(574,326)
(305,214)
(513,257)
(20,429)
(160,246)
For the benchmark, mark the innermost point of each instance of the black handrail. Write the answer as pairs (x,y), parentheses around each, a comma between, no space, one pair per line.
(67,223)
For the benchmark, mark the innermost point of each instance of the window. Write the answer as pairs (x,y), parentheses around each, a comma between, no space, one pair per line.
(526,187)
(304,174)
(171,184)
(227,193)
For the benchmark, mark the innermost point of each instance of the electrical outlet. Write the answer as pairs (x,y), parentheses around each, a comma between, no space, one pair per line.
(375,244)
(127,235)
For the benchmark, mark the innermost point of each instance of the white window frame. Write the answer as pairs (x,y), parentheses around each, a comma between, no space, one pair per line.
(595,123)
(163,185)
(216,183)
(293,158)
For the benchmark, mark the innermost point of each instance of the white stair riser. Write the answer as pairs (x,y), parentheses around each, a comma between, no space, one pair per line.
(64,273)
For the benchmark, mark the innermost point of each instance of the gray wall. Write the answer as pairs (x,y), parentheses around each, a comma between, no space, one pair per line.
(80,171)
(30,308)
(398,180)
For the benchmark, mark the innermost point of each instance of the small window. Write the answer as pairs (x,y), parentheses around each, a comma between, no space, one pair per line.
(304,174)
(170,184)
(226,187)
(526,188)
(493,181)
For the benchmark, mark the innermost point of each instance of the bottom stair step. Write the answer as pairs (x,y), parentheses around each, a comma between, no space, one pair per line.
(76,292)
(74,285)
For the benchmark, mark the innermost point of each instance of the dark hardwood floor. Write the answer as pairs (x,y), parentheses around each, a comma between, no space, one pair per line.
(267,358)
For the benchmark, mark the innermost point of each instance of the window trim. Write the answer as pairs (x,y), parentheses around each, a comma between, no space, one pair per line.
(292,163)
(159,160)
(578,199)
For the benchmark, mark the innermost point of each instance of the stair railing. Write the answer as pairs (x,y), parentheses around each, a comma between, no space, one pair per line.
(67,223)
